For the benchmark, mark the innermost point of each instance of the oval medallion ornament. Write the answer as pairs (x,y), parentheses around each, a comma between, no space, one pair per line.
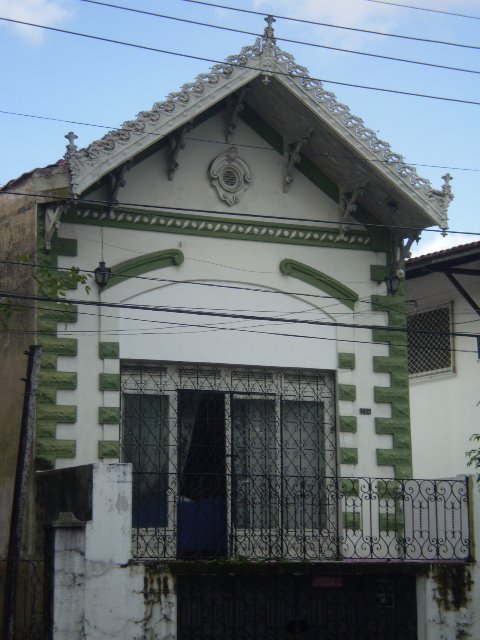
(230,175)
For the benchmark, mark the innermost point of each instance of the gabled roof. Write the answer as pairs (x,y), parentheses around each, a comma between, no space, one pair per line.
(292,103)
(447,258)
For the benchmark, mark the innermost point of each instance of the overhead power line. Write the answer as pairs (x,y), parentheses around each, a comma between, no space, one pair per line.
(232,64)
(237,316)
(409,6)
(129,206)
(301,42)
(221,142)
(334,26)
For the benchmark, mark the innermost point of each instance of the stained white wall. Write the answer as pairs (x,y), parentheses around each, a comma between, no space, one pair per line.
(445,407)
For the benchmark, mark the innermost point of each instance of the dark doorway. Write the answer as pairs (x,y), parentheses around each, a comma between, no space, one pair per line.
(296,607)
(202,505)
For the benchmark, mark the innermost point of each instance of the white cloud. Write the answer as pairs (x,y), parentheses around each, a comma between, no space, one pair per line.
(436,242)
(46,12)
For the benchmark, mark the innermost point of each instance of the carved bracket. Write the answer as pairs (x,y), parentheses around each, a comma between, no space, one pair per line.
(234,107)
(292,157)
(53,216)
(402,252)
(117,182)
(176,142)
(348,203)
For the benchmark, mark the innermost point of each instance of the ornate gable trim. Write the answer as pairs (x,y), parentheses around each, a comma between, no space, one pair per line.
(264,58)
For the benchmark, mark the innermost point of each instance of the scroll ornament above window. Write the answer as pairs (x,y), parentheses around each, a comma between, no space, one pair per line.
(230,175)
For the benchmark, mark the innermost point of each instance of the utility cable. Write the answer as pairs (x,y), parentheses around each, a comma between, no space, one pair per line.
(237,144)
(289,40)
(334,26)
(124,206)
(234,64)
(409,6)
(180,310)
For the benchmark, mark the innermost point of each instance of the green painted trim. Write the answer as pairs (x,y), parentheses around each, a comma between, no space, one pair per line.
(143,264)
(109,381)
(47,450)
(108,449)
(47,396)
(61,312)
(392,521)
(46,429)
(347,392)
(348,424)
(349,487)
(348,455)
(109,415)
(352,520)
(58,379)
(378,273)
(48,361)
(346,361)
(319,280)
(46,326)
(109,350)
(57,413)
(397,394)
(59,346)
(217,227)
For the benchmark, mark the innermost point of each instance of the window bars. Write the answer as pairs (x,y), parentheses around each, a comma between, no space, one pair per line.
(429,352)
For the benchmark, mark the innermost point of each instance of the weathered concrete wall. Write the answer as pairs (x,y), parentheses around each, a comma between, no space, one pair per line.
(18,237)
(448,597)
(96,592)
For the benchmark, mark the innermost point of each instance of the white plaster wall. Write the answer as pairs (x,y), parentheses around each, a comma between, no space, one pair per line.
(147,182)
(445,408)
(98,594)
(437,618)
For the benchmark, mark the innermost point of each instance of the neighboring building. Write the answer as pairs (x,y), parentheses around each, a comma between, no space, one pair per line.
(271,460)
(443,296)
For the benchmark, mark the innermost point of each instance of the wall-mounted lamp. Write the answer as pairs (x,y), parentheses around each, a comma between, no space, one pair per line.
(393,282)
(102,274)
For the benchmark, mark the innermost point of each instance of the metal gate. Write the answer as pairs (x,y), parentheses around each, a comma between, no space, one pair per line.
(296,607)
(230,461)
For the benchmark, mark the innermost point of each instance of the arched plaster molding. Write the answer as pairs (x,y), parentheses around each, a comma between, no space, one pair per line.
(321,281)
(143,264)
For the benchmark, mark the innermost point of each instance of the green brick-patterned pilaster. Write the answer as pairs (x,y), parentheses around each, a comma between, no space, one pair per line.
(109,381)
(348,455)
(348,424)
(347,392)
(397,394)
(49,316)
(108,449)
(109,415)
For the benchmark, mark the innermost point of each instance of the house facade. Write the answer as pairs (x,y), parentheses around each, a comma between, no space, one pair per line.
(443,296)
(223,431)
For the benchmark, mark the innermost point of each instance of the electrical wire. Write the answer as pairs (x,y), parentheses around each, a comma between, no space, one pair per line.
(223,143)
(124,206)
(181,310)
(289,40)
(409,6)
(334,26)
(233,64)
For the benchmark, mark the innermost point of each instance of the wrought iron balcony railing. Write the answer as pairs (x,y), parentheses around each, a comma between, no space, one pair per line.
(299,518)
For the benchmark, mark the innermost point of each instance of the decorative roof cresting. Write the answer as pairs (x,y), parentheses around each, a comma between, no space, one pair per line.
(265,57)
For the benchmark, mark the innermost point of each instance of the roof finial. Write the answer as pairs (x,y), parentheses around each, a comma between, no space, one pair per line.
(269,33)
(71,146)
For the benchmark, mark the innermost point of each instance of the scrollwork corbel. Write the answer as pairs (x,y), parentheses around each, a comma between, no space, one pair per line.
(292,157)
(53,215)
(176,142)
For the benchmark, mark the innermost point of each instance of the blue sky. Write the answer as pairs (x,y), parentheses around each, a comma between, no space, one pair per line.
(61,76)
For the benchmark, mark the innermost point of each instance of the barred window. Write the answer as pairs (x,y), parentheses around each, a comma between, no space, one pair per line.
(429,352)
